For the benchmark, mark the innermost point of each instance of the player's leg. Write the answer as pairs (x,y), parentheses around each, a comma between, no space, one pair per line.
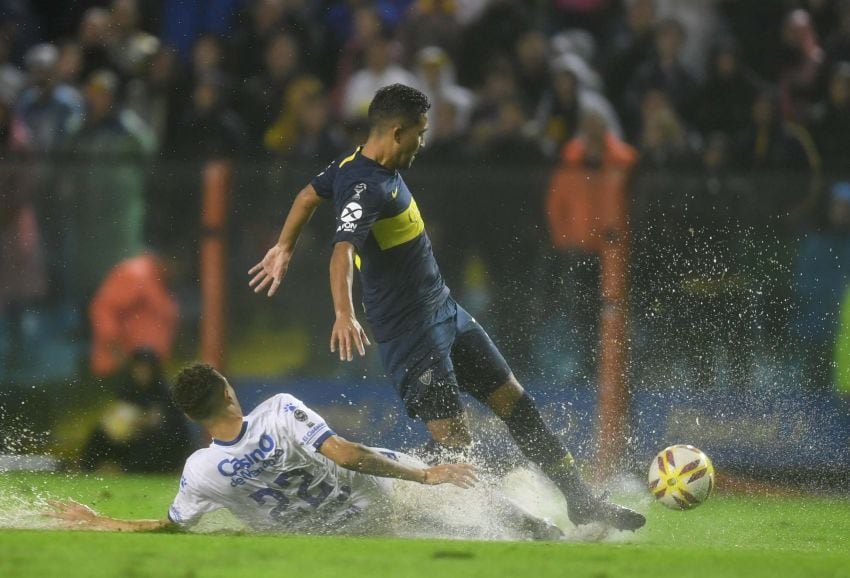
(483,372)
(450,432)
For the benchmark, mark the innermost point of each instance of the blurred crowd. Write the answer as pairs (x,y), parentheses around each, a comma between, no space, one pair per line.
(690,85)
(509,80)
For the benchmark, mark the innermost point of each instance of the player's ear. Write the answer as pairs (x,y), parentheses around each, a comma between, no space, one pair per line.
(397,130)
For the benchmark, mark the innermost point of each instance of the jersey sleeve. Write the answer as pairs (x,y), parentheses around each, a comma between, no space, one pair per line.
(324,181)
(190,503)
(303,425)
(355,217)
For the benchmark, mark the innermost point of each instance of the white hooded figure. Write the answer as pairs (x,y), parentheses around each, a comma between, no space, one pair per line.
(570,72)
(436,78)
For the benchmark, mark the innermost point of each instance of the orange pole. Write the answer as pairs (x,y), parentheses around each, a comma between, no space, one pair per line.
(613,395)
(216,199)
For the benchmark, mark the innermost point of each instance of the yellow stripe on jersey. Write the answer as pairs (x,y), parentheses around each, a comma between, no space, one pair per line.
(349,158)
(357,261)
(394,231)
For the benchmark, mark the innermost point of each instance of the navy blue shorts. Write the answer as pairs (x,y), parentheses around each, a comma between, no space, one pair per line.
(430,368)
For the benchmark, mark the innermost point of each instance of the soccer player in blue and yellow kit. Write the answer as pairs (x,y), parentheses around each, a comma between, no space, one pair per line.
(429,345)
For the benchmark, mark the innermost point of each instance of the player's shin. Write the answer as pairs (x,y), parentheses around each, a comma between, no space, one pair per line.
(540,445)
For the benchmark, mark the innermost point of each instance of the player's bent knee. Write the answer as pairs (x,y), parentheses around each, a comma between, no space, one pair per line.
(451,432)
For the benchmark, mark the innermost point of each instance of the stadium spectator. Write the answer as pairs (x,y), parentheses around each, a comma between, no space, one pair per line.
(379,71)
(141,430)
(431,23)
(663,72)
(264,93)
(47,109)
(208,59)
(665,142)
(510,139)
(209,128)
(436,78)
(445,142)
(831,121)
(69,67)
(264,20)
(630,44)
(132,309)
(500,85)
(367,27)
(768,142)
(559,112)
(563,106)
(158,94)
(579,209)
(802,58)
(95,35)
(490,38)
(585,206)
(725,100)
(303,130)
(757,27)
(531,59)
(11,78)
(129,46)
(701,22)
(106,178)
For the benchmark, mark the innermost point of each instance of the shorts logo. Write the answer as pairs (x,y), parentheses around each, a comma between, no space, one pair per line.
(351,212)
(425,378)
(300,415)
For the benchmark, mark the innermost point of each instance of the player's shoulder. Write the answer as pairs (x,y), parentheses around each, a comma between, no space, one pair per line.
(279,403)
(199,462)
(358,176)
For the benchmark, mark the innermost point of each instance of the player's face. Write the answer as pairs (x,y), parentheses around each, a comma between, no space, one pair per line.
(411,138)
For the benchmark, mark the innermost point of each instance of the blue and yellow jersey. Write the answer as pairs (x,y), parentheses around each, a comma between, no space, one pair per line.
(375,212)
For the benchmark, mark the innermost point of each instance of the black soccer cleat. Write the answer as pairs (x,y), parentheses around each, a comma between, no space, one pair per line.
(595,509)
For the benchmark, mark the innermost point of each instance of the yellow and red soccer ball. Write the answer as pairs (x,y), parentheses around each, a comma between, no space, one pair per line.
(681,477)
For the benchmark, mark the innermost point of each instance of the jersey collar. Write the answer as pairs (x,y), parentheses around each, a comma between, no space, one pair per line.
(235,440)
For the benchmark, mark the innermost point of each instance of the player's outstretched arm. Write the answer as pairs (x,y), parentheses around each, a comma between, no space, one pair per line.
(270,271)
(76,515)
(357,457)
(347,334)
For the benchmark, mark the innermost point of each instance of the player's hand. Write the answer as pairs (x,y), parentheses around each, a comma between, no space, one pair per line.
(460,475)
(73,514)
(348,335)
(270,271)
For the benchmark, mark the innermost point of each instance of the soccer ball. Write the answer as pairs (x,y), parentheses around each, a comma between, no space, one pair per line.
(681,477)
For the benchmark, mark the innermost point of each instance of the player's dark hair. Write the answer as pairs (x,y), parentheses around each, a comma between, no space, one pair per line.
(397,101)
(199,391)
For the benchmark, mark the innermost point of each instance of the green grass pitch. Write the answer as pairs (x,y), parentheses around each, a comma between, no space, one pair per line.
(728,536)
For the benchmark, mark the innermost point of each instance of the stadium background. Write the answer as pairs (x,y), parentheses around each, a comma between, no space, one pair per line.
(737,204)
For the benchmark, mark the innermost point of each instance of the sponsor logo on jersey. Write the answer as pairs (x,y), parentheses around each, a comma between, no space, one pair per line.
(359,188)
(349,216)
(313,432)
(247,464)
